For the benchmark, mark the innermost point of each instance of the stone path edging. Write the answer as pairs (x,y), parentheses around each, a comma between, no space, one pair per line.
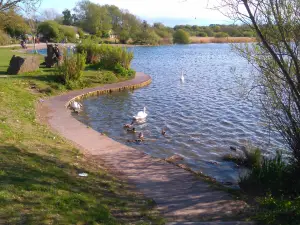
(178,193)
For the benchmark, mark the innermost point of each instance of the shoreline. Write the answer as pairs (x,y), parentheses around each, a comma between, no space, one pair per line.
(193,39)
(171,187)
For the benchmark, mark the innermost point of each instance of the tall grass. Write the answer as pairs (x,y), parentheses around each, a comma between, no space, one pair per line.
(105,56)
(70,70)
(205,40)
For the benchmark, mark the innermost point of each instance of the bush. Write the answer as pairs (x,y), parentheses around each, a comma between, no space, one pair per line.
(146,38)
(71,69)
(248,34)
(105,56)
(272,176)
(4,38)
(80,33)
(108,78)
(120,70)
(250,158)
(124,36)
(50,30)
(221,35)
(278,211)
(67,32)
(202,34)
(181,37)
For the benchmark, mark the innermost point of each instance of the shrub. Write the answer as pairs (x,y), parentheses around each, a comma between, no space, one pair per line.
(67,32)
(202,34)
(108,78)
(105,56)
(181,37)
(278,211)
(221,35)
(80,33)
(146,38)
(50,30)
(250,158)
(248,34)
(272,176)
(120,70)
(124,36)
(4,38)
(71,69)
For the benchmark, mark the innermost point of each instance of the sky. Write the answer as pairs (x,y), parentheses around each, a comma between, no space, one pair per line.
(169,12)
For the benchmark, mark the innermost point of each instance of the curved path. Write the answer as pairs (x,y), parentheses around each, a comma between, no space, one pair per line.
(179,195)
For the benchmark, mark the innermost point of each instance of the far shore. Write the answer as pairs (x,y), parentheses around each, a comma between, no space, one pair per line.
(206,40)
(194,40)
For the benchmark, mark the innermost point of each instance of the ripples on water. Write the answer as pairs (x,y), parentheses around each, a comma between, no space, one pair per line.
(203,116)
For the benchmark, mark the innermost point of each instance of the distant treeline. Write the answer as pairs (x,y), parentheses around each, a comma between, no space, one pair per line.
(106,23)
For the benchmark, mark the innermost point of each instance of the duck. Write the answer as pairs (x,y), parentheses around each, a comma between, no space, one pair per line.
(141,115)
(132,130)
(141,136)
(76,106)
(163,132)
(127,125)
(182,77)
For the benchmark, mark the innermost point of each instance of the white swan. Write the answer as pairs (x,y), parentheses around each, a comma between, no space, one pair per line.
(141,115)
(76,106)
(182,77)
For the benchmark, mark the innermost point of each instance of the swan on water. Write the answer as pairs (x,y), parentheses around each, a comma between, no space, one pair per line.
(182,77)
(141,115)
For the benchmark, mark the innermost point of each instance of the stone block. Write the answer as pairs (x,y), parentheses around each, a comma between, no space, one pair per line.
(20,65)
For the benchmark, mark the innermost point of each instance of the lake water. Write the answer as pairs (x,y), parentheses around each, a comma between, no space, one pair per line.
(203,116)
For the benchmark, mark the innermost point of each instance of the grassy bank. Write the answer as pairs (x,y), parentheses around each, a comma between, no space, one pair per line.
(39,182)
(205,40)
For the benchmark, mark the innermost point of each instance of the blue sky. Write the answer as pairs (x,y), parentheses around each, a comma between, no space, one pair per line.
(169,12)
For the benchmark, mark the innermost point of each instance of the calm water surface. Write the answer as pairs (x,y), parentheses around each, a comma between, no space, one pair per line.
(203,116)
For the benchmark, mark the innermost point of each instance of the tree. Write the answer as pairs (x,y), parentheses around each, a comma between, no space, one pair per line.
(93,18)
(181,37)
(277,59)
(14,24)
(49,29)
(67,17)
(9,4)
(49,14)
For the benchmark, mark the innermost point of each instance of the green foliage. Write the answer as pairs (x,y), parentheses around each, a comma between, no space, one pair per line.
(181,37)
(221,35)
(272,176)
(250,157)
(13,24)
(120,70)
(108,78)
(4,38)
(202,34)
(124,36)
(147,37)
(50,30)
(67,32)
(93,18)
(248,34)
(67,17)
(71,69)
(105,56)
(80,33)
(274,211)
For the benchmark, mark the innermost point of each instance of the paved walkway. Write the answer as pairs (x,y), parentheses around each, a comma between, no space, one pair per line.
(178,193)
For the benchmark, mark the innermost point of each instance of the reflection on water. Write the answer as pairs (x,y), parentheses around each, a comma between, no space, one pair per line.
(203,116)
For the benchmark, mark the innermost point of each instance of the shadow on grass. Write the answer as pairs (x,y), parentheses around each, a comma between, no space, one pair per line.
(38,189)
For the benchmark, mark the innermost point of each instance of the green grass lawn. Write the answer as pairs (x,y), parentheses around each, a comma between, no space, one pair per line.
(39,182)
